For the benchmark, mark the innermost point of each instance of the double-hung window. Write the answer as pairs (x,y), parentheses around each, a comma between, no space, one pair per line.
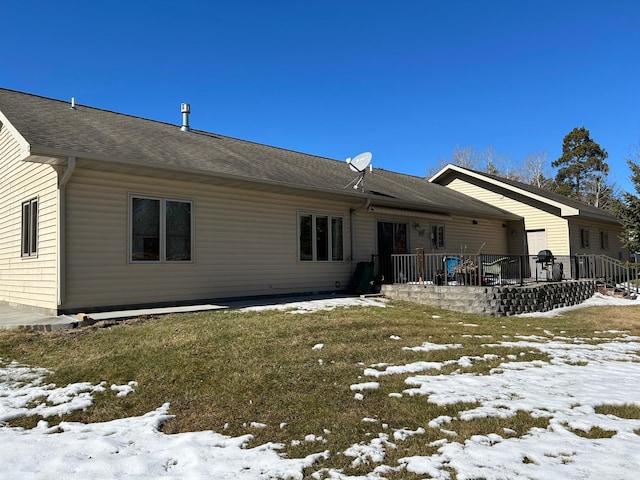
(161,230)
(437,236)
(320,238)
(584,238)
(604,240)
(30,228)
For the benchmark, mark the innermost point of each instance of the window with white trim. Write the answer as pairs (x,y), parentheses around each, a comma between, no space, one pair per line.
(437,236)
(160,230)
(320,238)
(30,228)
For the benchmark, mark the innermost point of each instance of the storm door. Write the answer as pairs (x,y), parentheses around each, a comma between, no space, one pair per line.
(392,238)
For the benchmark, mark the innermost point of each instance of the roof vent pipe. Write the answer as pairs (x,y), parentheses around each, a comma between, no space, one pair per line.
(185,109)
(73,103)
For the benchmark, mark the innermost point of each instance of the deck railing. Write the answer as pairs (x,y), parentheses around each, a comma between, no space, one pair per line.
(494,269)
(609,271)
(451,269)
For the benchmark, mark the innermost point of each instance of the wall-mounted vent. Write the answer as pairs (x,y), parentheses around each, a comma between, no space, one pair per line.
(185,109)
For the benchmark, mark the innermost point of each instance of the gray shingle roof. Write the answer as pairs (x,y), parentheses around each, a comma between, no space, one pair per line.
(52,127)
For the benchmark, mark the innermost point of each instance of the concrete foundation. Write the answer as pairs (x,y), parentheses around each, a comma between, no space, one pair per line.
(496,301)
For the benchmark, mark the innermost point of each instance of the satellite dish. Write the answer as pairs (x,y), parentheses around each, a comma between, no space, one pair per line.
(360,162)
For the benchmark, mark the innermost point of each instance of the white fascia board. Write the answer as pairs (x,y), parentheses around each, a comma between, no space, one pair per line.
(25,148)
(443,170)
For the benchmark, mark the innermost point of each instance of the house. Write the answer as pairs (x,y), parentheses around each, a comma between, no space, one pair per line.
(553,222)
(102,210)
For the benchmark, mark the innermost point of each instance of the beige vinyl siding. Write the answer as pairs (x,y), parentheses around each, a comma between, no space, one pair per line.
(535,218)
(615,249)
(487,236)
(462,236)
(365,236)
(29,281)
(246,244)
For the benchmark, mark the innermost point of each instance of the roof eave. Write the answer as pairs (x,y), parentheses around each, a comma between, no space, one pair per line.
(605,217)
(22,142)
(59,157)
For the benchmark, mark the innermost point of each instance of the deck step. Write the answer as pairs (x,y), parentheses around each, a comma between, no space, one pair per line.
(615,292)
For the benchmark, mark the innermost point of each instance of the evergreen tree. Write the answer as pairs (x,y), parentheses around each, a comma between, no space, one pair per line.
(629,211)
(582,172)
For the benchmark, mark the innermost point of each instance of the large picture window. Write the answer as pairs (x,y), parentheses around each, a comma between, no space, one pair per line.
(30,228)
(320,238)
(161,230)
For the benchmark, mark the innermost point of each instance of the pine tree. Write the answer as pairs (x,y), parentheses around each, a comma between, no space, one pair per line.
(629,211)
(583,171)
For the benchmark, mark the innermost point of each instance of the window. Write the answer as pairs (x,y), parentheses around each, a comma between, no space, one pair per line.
(604,240)
(437,236)
(584,237)
(336,239)
(178,231)
(30,228)
(160,230)
(320,238)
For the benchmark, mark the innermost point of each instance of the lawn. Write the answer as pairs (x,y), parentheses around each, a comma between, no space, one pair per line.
(318,381)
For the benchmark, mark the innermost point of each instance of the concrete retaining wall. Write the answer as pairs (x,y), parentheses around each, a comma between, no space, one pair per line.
(497,301)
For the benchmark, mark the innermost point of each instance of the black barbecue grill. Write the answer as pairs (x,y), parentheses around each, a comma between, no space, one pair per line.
(546,258)
(554,271)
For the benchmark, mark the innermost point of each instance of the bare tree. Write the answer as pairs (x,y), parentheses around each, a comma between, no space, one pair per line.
(466,157)
(535,170)
(602,192)
(495,163)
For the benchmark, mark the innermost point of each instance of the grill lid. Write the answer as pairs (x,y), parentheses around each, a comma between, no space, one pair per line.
(545,256)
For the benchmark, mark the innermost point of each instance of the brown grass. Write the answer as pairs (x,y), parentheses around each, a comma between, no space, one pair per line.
(629,411)
(224,370)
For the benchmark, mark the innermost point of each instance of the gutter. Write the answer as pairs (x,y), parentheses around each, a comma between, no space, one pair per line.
(62,229)
(45,154)
(352,225)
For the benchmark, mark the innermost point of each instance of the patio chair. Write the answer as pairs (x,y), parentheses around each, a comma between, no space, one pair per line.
(451,263)
(492,271)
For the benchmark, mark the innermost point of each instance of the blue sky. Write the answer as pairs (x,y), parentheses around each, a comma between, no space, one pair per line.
(407,80)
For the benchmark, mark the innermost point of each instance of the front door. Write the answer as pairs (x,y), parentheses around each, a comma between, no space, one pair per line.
(392,238)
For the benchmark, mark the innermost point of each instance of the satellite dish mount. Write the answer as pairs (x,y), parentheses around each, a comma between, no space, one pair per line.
(359,164)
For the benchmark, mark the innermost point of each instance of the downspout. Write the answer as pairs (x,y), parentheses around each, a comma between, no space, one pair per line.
(352,225)
(62,229)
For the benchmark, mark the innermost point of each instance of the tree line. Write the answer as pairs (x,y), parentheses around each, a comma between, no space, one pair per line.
(582,174)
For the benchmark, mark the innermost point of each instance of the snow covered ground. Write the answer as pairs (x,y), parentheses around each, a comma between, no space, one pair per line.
(580,376)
